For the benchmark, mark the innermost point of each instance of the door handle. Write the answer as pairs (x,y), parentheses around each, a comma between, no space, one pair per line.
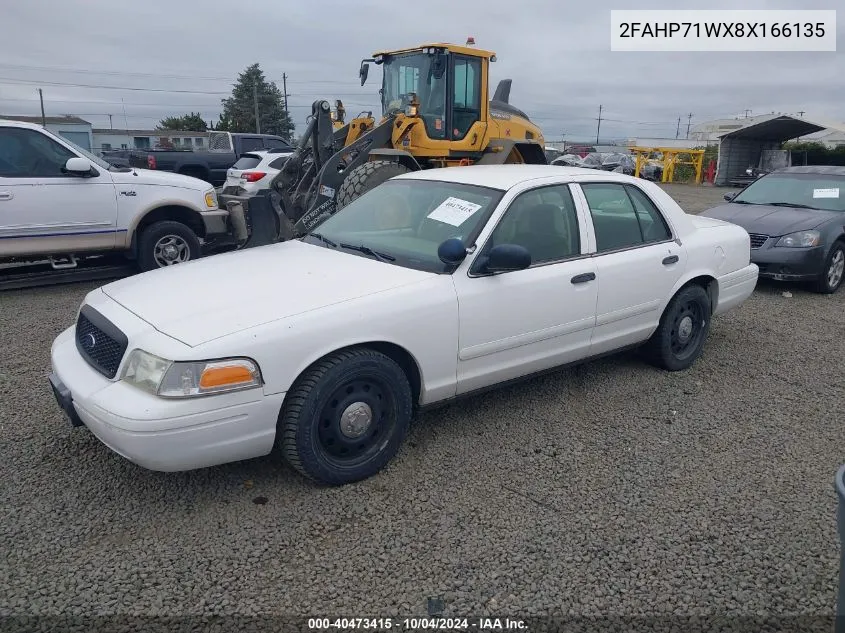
(583,278)
(670,260)
(6,195)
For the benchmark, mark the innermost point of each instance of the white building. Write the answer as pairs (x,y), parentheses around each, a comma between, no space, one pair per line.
(72,128)
(677,143)
(711,131)
(111,139)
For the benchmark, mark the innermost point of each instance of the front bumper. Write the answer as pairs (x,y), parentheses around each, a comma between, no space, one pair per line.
(789,264)
(216,222)
(160,434)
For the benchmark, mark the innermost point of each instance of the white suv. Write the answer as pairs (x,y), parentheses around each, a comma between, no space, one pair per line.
(60,202)
(254,171)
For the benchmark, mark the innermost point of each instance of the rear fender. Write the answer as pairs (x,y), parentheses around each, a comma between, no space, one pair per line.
(402,157)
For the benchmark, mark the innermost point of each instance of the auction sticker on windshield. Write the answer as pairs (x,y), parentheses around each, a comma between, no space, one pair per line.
(832,192)
(454,211)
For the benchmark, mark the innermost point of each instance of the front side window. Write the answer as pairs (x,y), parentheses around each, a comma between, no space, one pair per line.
(408,219)
(623,217)
(817,191)
(29,154)
(543,221)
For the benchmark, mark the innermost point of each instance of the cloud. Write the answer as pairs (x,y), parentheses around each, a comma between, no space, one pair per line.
(557,54)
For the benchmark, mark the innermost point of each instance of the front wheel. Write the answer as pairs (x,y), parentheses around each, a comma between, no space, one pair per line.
(346,417)
(365,177)
(683,328)
(166,243)
(833,271)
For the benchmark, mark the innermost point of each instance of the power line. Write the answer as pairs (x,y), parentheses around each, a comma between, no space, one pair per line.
(11,81)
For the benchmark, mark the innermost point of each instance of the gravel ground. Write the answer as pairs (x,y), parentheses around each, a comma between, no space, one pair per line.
(610,488)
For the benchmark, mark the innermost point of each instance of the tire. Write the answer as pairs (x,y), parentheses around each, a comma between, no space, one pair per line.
(833,271)
(684,326)
(365,177)
(157,242)
(310,432)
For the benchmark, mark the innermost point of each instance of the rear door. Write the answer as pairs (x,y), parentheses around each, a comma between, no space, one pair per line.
(638,262)
(234,173)
(43,209)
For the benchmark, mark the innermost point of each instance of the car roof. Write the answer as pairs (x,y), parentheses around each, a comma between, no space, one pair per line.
(507,176)
(829,170)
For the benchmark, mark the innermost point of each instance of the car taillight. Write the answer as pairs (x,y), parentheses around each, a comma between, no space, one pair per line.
(151,161)
(253,176)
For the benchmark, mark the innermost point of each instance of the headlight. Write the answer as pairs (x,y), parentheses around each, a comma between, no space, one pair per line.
(211,199)
(184,379)
(800,239)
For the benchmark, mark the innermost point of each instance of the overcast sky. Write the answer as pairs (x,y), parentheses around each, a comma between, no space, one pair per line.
(556,51)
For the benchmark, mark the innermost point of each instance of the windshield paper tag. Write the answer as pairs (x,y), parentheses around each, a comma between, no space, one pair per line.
(454,211)
(826,193)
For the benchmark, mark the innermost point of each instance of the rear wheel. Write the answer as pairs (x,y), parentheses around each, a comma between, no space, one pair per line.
(833,271)
(683,328)
(345,417)
(365,177)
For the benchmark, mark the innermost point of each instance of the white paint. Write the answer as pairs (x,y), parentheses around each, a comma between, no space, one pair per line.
(288,305)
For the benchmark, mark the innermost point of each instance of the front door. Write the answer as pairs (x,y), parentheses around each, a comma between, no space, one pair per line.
(638,263)
(43,209)
(517,323)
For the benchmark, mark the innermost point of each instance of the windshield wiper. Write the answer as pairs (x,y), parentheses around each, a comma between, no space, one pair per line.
(325,240)
(743,202)
(368,251)
(790,204)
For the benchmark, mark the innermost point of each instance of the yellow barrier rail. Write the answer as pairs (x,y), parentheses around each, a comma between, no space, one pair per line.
(669,158)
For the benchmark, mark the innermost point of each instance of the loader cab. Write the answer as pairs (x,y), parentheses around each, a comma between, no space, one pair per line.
(445,88)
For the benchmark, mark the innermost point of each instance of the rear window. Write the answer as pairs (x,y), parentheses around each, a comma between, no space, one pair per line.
(247,161)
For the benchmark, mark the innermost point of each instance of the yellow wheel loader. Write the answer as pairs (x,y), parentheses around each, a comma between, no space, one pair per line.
(436,112)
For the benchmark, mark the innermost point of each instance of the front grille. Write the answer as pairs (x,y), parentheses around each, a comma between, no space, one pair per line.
(99,342)
(757,240)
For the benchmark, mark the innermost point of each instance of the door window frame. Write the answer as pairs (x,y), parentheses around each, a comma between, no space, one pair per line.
(582,200)
(457,58)
(583,233)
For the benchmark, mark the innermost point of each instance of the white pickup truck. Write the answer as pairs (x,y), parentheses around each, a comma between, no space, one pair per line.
(59,202)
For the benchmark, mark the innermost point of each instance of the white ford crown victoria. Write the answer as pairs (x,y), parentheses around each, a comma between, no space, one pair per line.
(433,285)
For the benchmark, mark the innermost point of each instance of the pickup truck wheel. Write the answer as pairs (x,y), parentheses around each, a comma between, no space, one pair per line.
(683,328)
(166,243)
(346,417)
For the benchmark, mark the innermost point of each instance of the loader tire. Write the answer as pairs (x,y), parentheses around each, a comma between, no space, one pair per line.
(365,177)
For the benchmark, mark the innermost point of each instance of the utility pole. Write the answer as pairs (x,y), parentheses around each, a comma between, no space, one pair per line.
(285,91)
(41,97)
(746,113)
(563,138)
(111,127)
(800,113)
(678,131)
(598,129)
(689,122)
(255,99)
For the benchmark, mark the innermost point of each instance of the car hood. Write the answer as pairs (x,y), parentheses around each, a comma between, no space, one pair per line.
(767,220)
(222,294)
(160,178)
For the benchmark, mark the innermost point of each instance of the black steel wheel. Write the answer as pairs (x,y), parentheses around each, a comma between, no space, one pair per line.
(684,326)
(346,416)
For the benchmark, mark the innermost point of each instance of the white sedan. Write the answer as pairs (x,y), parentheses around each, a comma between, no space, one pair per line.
(432,286)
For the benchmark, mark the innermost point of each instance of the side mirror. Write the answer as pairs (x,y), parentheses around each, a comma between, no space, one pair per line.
(506,258)
(452,251)
(364,72)
(730,196)
(78,166)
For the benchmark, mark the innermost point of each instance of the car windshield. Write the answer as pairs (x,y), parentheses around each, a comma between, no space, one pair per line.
(94,159)
(819,191)
(408,219)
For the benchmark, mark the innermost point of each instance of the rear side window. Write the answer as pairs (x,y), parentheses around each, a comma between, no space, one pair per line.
(623,217)
(250,144)
(273,143)
(247,161)
(279,162)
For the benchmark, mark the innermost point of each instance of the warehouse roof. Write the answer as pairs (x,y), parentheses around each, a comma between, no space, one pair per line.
(75,120)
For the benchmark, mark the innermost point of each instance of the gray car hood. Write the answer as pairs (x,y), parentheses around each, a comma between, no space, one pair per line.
(774,221)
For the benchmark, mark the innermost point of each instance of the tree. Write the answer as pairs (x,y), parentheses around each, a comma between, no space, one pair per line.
(192,122)
(239,109)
